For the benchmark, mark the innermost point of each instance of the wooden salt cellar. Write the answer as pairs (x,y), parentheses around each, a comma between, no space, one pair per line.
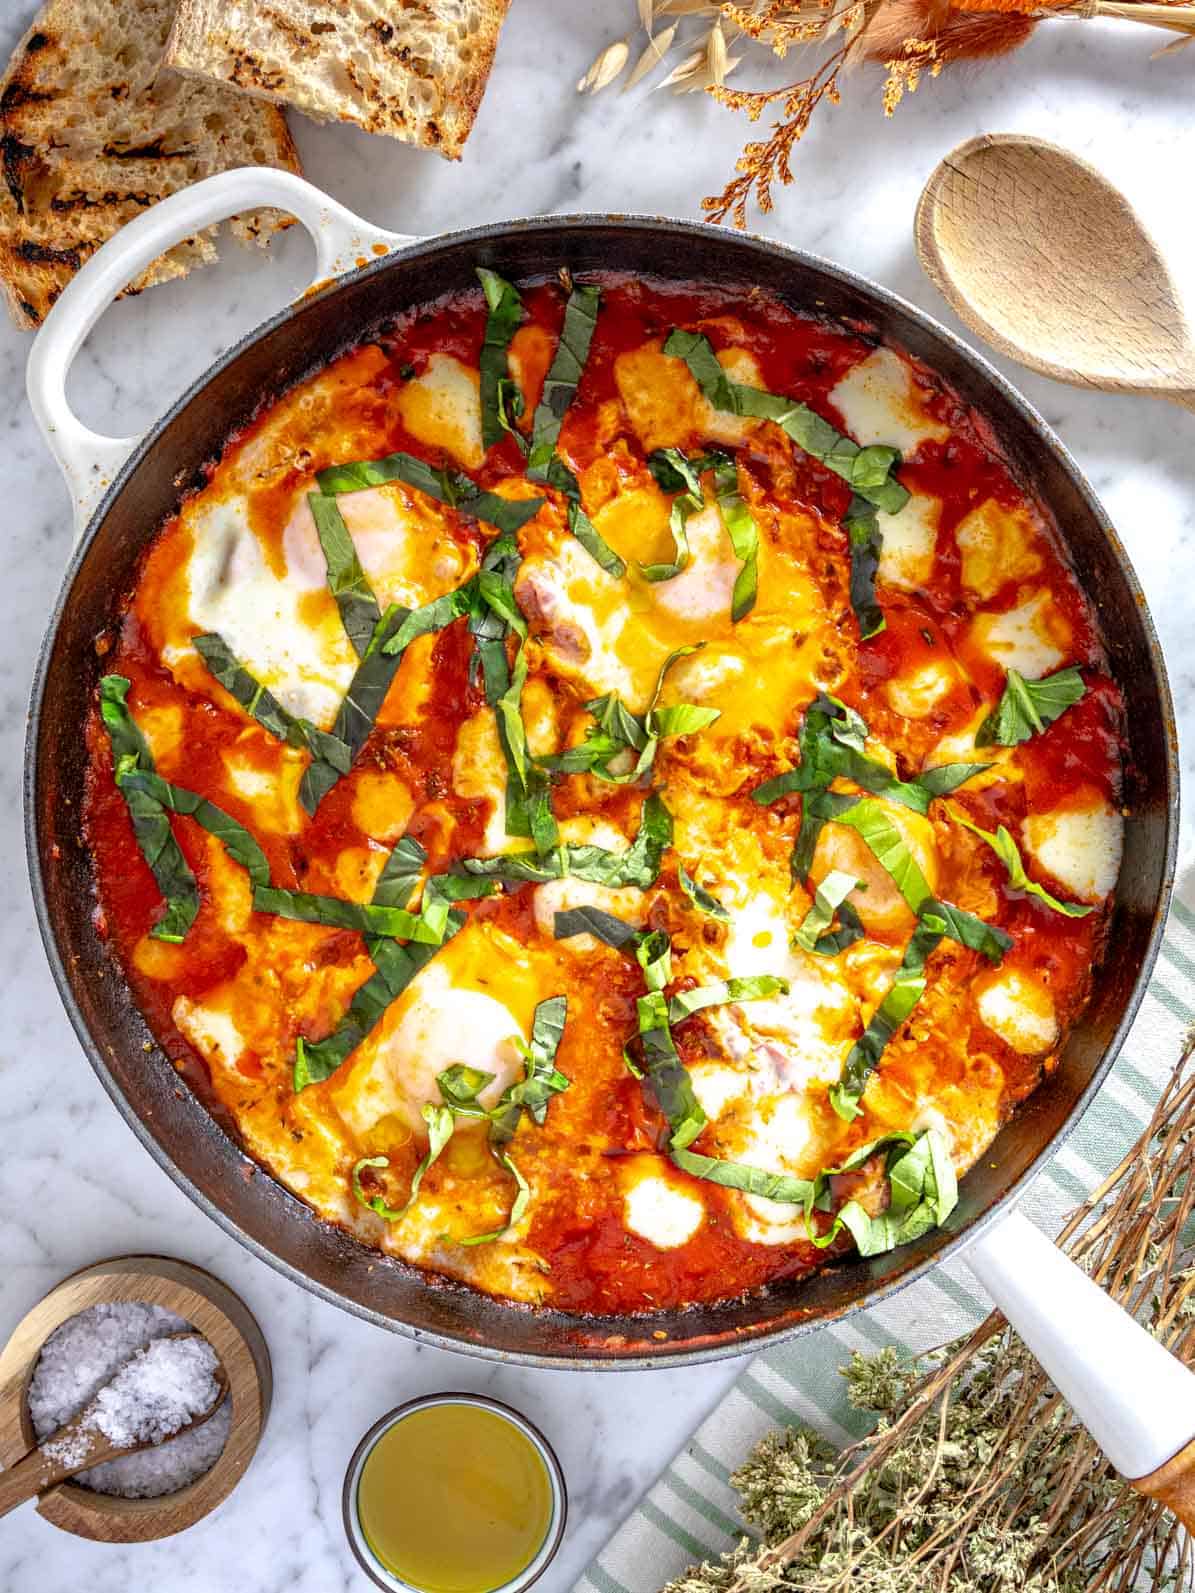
(213,1310)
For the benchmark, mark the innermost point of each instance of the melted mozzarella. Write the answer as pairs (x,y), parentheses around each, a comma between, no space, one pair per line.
(382,805)
(260,616)
(273,792)
(579,614)
(997,545)
(779,1138)
(908,541)
(880,906)
(665,406)
(656,1209)
(1080,847)
(210,1030)
(715,1085)
(1021,1011)
(442,408)
(961,748)
(917,693)
(881,403)
(479,771)
(1032,638)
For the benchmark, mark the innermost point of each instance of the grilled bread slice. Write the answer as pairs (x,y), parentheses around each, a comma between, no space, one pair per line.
(92,132)
(414,70)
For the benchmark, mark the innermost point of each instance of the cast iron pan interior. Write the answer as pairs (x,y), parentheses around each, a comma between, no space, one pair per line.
(178,1130)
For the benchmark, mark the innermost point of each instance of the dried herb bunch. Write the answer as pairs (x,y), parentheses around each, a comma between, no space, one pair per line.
(703,41)
(978,1478)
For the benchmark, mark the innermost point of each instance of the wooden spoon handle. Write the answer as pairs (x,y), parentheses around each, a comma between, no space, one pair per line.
(27,1478)
(1174,1483)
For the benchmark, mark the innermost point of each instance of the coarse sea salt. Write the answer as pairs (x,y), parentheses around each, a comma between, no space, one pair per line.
(147,1394)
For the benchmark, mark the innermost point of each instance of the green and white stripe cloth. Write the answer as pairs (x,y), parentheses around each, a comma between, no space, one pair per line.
(690,1512)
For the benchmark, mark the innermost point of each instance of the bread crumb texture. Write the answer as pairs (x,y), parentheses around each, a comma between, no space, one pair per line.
(93,130)
(414,71)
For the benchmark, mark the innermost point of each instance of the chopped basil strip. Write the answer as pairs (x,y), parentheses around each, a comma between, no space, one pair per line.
(1028,706)
(831,746)
(541,1080)
(755,987)
(923,1190)
(366,917)
(867,470)
(698,895)
(971,931)
(234,837)
(460,1086)
(263,706)
(396,966)
(439,1122)
(505,313)
(560,384)
(618,733)
(347,581)
(1009,853)
(828,898)
(151,826)
(865,542)
(662,1067)
(401,874)
(744,537)
(593,921)
(890,850)
(429,617)
(448,486)
(591,539)
(638,865)
(500,563)
(905,992)
(682,508)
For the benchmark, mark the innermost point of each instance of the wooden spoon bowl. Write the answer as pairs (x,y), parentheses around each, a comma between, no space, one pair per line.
(211,1309)
(1049,263)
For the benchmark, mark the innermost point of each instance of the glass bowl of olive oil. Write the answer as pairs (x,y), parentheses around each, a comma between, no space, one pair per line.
(454,1493)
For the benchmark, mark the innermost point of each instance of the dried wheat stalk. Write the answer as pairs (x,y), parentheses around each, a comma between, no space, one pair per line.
(979,1479)
(696,40)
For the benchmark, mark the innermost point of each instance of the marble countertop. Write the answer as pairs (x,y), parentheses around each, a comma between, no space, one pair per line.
(74,1184)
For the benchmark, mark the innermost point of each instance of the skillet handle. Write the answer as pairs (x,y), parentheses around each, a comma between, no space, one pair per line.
(89,460)
(1135,1399)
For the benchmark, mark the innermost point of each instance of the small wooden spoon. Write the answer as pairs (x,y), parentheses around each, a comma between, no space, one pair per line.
(1041,256)
(38,1470)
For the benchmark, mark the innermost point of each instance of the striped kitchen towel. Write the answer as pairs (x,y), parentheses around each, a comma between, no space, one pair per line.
(690,1512)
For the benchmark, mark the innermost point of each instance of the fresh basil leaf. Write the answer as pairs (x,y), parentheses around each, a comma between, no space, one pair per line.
(505,312)
(638,865)
(683,719)
(564,373)
(510,722)
(726,992)
(850,929)
(1027,707)
(699,896)
(263,706)
(366,917)
(666,1074)
(234,837)
(488,628)
(827,899)
(971,931)
(541,1079)
(347,581)
(593,921)
(905,992)
(865,542)
(440,1124)
(447,486)
(1009,853)
(674,471)
(867,470)
(151,826)
(591,539)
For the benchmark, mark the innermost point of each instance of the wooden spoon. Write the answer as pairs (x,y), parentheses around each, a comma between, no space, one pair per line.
(86,1446)
(1041,256)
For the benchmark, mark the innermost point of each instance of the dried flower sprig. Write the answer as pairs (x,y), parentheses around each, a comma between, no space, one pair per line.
(978,1478)
(910,38)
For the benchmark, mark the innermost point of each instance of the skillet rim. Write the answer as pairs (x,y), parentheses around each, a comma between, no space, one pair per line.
(737,1342)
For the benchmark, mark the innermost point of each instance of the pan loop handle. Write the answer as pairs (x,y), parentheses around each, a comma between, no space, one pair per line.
(90,461)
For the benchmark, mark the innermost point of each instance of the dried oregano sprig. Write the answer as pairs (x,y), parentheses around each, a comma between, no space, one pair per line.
(978,1479)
